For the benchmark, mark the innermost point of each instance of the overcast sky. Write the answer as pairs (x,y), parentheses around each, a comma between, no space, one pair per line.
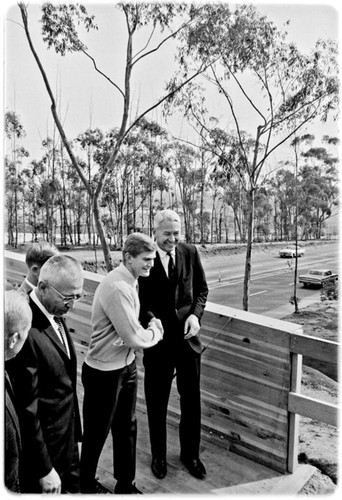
(86,98)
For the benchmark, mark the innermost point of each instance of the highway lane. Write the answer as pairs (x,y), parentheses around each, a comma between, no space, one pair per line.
(272,277)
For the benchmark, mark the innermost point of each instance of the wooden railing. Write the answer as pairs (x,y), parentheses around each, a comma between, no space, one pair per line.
(251,376)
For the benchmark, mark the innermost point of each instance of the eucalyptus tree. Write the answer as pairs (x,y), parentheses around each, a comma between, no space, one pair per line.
(283,190)
(14,132)
(320,179)
(185,172)
(60,24)
(251,63)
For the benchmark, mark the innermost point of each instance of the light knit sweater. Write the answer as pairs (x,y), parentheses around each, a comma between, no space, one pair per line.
(116,328)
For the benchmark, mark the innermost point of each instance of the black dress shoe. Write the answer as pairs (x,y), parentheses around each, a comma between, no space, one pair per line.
(127,489)
(158,467)
(95,487)
(195,467)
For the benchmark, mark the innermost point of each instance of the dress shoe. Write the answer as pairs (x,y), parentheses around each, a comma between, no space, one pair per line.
(127,489)
(158,467)
(95,487)
(195,467)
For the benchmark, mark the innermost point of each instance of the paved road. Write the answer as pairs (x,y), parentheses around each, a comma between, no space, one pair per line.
(272,279)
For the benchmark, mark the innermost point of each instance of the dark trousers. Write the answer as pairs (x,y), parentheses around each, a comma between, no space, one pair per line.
(160,363)
(109,405)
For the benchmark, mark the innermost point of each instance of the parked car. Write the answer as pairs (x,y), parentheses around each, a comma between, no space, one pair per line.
(291,251)
(317,277)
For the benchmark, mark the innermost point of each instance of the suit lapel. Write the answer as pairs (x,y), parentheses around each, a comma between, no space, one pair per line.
(179,261)
(41,322)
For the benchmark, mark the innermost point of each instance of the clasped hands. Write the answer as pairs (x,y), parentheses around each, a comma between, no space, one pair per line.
(158,325)
(191,326)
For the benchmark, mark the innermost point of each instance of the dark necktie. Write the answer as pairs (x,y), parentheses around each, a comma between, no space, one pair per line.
(171,266)
(62,333)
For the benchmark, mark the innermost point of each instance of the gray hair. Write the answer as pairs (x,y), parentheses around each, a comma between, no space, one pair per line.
(58,265)
(18,314)
(137,243)
(166,214)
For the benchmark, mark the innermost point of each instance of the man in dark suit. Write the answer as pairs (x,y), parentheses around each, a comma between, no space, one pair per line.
(17,322)
(176,293)
(44,376)
(37,254)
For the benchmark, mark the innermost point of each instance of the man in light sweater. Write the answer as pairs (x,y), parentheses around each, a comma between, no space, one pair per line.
(109,374)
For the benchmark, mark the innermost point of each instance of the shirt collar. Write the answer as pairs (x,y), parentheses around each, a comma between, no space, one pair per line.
(123,269)
(31,285)
(162,253)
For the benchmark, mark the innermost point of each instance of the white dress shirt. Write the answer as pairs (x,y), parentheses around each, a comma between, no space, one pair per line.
(165,258)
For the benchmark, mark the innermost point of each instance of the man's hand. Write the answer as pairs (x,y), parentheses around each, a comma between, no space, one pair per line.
(51,483)
(191,327)
(158,324)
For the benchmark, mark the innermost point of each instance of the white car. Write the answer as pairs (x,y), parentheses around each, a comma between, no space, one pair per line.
(291,252)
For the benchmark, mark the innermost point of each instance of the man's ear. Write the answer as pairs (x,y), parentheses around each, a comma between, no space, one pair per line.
(41,286)
(35,269)
(127,257)
(13,339)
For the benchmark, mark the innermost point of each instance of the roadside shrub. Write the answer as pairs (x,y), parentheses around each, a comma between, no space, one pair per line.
(329,291)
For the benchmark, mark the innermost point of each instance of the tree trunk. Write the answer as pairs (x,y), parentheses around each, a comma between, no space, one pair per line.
(102,236)
(248,263)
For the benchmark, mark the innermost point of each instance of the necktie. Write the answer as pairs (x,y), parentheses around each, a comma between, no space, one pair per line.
(171,265)
(62,334)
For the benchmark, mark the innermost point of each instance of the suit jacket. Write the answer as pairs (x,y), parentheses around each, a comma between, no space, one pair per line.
(13,440)
(172,301)
(45,387)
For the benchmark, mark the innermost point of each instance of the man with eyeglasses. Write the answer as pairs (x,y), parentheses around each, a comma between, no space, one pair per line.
(44,378)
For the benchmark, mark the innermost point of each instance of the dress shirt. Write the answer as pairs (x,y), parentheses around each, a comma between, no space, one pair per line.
(49,316)
(164,257)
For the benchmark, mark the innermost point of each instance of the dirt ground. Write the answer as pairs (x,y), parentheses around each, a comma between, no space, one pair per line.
(318,442)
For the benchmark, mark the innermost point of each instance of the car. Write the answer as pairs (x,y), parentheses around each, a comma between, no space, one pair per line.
(317,277)
(291,251)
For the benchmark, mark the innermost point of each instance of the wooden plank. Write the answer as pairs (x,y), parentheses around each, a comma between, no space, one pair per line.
(255,319)
(324,350)
(251,363)
(238,338)
(311,408)
(293,438)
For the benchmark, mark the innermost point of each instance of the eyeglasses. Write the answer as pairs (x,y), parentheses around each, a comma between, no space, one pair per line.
(69,298)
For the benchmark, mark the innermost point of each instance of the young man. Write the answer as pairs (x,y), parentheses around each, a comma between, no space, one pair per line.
(44,375)
(36,256)
(176,292)
(109,372)
(17,322)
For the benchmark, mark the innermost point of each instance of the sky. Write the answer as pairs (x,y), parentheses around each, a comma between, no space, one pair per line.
(86,99)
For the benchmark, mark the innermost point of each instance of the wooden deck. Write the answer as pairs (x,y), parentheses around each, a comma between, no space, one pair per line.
(246,380)
(224,468)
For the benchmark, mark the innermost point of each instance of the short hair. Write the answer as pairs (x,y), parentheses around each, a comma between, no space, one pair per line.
(166,214)
(57,265)
(18,314)
(40,252)
(137,243)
